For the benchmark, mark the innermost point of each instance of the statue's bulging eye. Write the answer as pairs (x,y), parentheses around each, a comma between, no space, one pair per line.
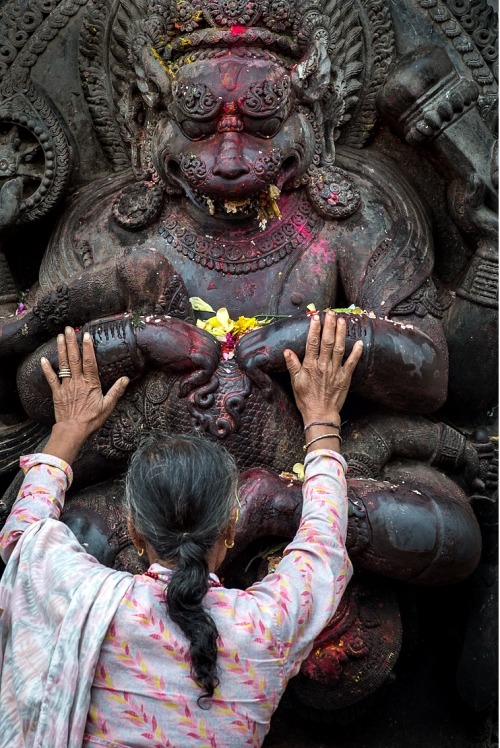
(197,130)
(266,128)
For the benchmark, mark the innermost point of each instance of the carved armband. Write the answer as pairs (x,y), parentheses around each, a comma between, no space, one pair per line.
(480,284)
(116,348)
(451,448)
(428,299)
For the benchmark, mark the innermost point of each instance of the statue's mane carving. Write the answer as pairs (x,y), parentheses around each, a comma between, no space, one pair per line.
(472,29)
(25,32)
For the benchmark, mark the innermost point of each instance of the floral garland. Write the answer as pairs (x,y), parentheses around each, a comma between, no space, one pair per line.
(229,331)
(225,329)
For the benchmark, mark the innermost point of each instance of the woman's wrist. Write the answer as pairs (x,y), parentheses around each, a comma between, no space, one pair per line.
(313,417)
(323,433)
(66,440)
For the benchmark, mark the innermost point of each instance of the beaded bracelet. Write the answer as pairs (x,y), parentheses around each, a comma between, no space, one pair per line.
(322,423)
(323,436)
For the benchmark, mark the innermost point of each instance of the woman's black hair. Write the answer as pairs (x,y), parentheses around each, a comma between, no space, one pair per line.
(180,491)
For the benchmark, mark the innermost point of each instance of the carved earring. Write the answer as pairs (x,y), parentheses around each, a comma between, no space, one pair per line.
(332,192)
(229,545)
(140,553)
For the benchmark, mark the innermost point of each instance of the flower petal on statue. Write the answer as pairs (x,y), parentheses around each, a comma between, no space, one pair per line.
(298,470)
(224,320)
(199,305)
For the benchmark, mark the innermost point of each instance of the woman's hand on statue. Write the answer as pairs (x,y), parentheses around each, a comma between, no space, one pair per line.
(80,408)
(260,352)
(321,383)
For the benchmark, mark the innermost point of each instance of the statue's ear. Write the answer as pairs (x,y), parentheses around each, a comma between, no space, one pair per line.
(311,76)
(153,80)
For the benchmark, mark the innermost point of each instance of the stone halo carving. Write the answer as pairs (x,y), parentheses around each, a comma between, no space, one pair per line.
(232,12)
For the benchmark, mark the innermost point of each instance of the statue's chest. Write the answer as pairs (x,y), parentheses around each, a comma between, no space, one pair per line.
(280,270)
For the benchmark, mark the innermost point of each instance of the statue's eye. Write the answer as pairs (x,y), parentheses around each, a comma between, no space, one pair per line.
(263,128)
(197,130)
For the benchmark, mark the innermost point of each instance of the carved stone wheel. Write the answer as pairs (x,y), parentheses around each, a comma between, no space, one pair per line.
(34,147)
(22,154)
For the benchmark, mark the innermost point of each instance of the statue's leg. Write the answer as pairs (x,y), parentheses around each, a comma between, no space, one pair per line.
(417,526)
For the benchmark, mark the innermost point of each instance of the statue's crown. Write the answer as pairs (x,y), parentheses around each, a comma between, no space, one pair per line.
(285,26)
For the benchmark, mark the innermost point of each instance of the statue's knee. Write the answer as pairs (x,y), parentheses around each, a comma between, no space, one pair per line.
(410,534)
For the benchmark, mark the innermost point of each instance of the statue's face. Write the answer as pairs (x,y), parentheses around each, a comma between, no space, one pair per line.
(232,132)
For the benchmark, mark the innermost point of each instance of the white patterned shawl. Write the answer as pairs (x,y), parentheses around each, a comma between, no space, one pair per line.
(49,651)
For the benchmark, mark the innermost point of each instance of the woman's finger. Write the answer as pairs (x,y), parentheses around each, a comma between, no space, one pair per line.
(90,370)
(62,353)
(50,375)
(353,358)
(74,357)
(313,341)
(327,338)
(292,363)
(339,346)
(114,394)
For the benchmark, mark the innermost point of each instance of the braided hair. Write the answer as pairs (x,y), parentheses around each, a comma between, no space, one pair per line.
(180,491)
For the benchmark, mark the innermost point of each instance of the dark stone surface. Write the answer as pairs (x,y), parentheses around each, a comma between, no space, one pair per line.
(419,707)
(329,152)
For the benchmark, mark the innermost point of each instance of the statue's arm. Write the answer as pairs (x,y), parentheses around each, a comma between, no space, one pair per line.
(402,367)
(127,346)
(137,280)
(10,210)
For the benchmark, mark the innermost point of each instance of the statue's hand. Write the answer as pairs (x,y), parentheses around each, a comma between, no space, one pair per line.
(177,346)
(260,352)
(10,202)
(467,201)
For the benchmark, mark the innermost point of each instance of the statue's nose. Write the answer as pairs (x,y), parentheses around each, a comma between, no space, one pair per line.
(229,162)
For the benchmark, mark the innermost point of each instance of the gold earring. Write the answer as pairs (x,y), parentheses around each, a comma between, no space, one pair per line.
(140,553)
(229,545)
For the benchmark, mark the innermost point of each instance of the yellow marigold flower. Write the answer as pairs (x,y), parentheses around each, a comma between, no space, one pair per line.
(244,324)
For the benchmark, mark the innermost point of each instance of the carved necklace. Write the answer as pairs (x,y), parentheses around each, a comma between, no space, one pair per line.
(253,251)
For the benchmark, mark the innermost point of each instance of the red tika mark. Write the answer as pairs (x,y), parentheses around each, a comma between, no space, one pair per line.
(237,30)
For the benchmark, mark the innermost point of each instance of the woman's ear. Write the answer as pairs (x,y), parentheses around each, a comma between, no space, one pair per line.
(137,539)
(230,532)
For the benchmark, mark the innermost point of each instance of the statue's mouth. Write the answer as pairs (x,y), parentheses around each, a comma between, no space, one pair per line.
(262,206)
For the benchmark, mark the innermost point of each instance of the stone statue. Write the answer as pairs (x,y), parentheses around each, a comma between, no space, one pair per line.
(240,152)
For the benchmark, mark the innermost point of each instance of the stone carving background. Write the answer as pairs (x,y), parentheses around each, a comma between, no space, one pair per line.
(405,137)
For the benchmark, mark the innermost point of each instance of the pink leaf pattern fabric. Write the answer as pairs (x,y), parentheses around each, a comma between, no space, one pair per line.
(90,658)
